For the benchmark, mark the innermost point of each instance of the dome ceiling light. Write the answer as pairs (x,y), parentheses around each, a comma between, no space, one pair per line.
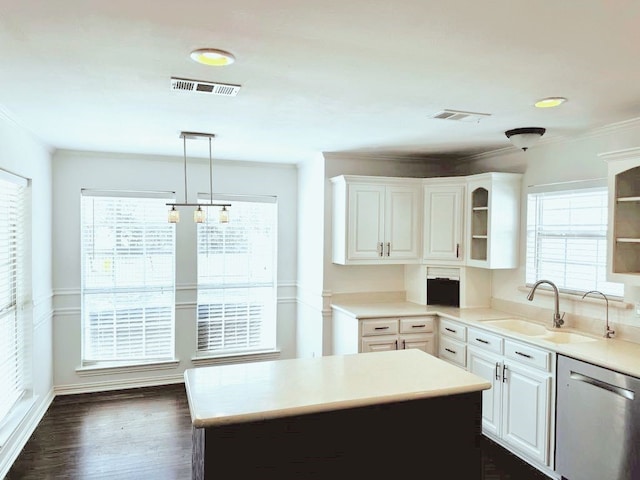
(212,57)
(525,137)
(550,102)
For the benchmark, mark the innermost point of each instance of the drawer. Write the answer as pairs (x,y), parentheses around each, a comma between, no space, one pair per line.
(526,355)
(453,351)
(416,325)
(484,340)
(453,330)
(379,326)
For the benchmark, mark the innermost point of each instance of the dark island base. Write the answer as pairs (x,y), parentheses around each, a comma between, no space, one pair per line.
(380,441)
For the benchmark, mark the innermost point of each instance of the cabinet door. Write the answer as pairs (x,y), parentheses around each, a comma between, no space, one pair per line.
(366,222)
(525,411)
(379,344)
(424,342)
(443,223)
(402,223)
(488,366)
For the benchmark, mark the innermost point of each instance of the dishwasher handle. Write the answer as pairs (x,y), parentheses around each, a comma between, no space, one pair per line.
(623,392)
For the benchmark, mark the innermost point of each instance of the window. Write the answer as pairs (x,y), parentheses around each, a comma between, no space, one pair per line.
(13,292)
(237,279)
(567,240)
(128,289)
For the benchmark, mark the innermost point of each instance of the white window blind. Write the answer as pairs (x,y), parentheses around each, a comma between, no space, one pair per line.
(567,240)
(13,331)
(237,278)
(128,289)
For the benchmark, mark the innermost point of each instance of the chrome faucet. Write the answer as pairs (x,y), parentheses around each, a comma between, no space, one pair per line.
(558,320)
(608,332)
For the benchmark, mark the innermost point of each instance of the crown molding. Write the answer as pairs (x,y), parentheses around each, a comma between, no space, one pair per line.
(608,129)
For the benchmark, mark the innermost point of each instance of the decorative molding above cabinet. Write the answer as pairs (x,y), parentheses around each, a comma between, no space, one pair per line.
(623,232)
(376,220)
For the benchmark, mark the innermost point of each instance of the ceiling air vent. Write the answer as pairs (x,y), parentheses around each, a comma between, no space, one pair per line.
(185,85)
(460,116)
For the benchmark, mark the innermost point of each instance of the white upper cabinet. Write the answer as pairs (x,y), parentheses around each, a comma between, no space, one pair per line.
(443,224)
(493,220)
(623,232)
(376,220)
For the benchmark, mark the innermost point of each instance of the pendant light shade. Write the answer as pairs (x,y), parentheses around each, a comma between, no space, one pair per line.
(199,215)
(525,137)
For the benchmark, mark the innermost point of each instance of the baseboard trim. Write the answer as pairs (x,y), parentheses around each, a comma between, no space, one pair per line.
(122,384)
(23,433)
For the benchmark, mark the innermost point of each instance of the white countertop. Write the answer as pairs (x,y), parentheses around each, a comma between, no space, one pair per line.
(228,394)
(611,353)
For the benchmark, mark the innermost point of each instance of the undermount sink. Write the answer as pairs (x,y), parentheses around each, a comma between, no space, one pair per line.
(519,326)
(566,337)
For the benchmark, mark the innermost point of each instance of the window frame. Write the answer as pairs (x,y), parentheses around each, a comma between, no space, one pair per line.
(14,299)
(133,291)
(532,228)
(270,338)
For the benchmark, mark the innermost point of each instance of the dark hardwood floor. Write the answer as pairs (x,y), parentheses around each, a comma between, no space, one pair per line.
(146,434)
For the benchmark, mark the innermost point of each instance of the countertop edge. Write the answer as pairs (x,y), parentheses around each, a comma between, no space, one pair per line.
(341,405)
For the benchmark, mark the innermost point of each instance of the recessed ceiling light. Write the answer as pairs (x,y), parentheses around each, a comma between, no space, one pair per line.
(212,57)
(550,102)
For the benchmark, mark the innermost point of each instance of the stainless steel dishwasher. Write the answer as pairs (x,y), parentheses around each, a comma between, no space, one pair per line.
(597,423)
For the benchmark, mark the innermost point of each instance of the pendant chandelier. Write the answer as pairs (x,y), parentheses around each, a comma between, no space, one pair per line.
(199,215)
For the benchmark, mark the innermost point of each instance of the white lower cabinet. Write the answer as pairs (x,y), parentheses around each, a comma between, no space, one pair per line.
(452,342)
(517,410)
(351,335)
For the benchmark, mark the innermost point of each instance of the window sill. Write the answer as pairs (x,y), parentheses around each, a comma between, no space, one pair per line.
(111,368)
(614,302)
(202,360)
(15,417)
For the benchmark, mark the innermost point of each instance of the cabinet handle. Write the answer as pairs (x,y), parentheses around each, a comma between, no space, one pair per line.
(418,326)
(388,249)
(497,370)
(404,344)
(482,341)
(523,355)
(450,330)
(450,351)
(396,344)
(381,249)
(457,250)
(504,374)
(381,328)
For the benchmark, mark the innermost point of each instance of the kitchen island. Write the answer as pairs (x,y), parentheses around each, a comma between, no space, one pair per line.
(375,415)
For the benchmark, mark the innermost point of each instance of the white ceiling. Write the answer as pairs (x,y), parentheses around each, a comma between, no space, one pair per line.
(330,76)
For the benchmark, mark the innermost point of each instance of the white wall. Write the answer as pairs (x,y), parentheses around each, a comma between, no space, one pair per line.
(22,154)
(556,161)
(73,171)
(312,311)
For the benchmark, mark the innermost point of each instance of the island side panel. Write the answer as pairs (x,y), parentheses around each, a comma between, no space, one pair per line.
(379,441)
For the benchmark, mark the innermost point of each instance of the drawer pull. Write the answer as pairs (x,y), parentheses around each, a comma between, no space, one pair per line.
(482,341)
(523,354)
(450,330)
(382,328)
(450,351)
(418,326)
